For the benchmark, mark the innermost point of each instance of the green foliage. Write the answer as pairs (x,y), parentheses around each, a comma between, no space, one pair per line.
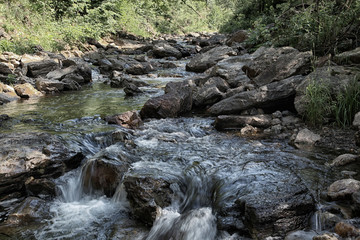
(348,104)
(319,102)
(322,106)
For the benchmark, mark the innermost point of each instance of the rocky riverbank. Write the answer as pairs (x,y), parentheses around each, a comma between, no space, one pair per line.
(258,95)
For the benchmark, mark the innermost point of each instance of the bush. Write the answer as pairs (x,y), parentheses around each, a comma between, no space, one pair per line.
(319,102)
(348,104)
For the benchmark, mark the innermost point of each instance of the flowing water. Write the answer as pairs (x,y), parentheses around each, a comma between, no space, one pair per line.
(208,170)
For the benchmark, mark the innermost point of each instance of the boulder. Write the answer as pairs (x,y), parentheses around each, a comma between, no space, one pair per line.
(41,68)
(207,95)
(38,155)
(148,187)
(177,100)
(71,83)
(273,95)
(7,94)
(162,50)
(131,89)
(102,175)
(41,188)
(230,69)
(6,68)
(59,74)
(129,119)
(274,64)
(356,122)
(31,210)
(306,137)
(344,159)
(122,81)
(26,90)
(204,61)
(350,57)
(343,189)
(346,230)
(237,37)
(138,68)
(269,211)
(236,122)
(48,86)
(336,78)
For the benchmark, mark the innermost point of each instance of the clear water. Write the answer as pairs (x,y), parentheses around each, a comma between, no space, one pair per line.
(209,170)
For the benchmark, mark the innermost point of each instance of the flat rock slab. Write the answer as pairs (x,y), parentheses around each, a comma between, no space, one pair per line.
(236,122)
(38,155)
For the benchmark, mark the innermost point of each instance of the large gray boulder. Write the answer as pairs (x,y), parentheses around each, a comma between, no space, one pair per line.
(41,68)
(343,189)
(335,78)
(177,100)
(103,173)
(235,122)
(272,95)
(204,61)
(230,69)
(274,64)
(48,86)
(162,50)
(7,94)
(37,155)
(349,57)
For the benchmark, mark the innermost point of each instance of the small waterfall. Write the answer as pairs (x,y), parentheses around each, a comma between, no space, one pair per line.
(197,224)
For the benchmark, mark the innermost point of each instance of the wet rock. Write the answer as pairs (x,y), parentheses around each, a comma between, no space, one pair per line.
(235,122)
(272,95)
(230,69)
(269,211)
(207,95)
(177,100)
(48,86)
(237,37)
(350,57)
(38,155)
(274,64)
(138,68)
(103,174)
(71,84)
(162,50)
(306,137)
(41,188)
(59,74)
(147,193)
(248,130)
(206,60)
(326,236)
(6,68)
(26,90)
(129,119)
(346,230)
(37,69)
(343,189)
(356,122)
(131,89)
(31,210)
(300,235)
(122,80)
(344,159)
(7,94)
(335,77)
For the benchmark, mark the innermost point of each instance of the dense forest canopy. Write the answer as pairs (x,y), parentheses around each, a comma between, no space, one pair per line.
(325,26)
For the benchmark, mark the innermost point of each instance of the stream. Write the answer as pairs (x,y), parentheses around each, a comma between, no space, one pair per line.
(208,170)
